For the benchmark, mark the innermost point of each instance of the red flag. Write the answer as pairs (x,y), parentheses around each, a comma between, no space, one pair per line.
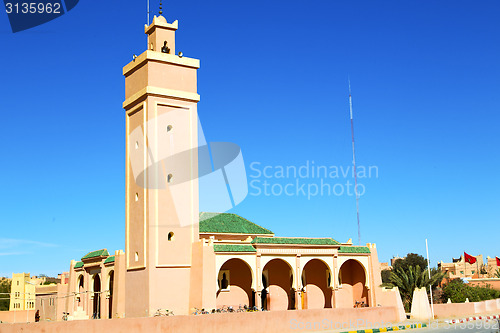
(470,259)
(498,261)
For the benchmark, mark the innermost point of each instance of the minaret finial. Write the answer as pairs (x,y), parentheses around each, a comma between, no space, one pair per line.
(161,12)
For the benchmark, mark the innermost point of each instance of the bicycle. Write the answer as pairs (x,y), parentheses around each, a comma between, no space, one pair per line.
(198,311)
(163,312)
(65,316)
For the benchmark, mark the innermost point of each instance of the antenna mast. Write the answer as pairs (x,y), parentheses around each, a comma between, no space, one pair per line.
(354,163)
(148,12)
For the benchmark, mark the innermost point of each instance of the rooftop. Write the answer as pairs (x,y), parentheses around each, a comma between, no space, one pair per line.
(354,249)
(215,223)
(295,241)
(109,259)
(94,254)
(233,248)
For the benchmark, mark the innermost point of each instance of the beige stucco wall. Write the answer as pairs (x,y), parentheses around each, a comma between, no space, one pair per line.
(277,321)
(452,310)
(20,316)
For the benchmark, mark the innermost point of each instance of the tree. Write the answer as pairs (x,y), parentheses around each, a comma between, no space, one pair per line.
(413,277)
(411,259)
(497,273)
(4,294)
(386,276)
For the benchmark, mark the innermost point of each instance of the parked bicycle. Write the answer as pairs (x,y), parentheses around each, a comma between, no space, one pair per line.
(163,312)
(199,312)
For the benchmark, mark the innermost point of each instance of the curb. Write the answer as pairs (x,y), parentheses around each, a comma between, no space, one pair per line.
(464,320)
(389,328)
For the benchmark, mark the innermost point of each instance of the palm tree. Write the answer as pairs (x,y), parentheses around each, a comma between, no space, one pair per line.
(497,273)
(413,277)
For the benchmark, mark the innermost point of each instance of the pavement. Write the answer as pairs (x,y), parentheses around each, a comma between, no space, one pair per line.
(476,324)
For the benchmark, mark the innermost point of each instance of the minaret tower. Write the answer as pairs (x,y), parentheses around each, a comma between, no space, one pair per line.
(161,174)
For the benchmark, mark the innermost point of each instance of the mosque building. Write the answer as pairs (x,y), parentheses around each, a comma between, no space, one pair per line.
(179,259)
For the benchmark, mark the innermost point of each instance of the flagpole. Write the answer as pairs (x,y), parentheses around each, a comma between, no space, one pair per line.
(429,271)
(148,11)
(354,163)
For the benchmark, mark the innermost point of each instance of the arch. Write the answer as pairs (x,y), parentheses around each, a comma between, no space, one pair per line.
(363,261)
(80,283)
(290,260)
(111,279)
(96,304)
(234,284)
(352,278)
(278,281)
(249,260)
(328,261)
(316,279)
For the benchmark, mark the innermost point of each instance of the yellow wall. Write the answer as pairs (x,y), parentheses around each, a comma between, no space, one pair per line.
(22,292)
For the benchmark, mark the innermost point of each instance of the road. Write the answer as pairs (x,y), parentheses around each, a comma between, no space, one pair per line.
(477,326)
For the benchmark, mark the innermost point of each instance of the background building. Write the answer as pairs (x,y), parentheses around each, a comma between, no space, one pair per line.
(458,268)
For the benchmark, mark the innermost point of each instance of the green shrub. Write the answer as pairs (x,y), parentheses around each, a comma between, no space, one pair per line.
(458,292)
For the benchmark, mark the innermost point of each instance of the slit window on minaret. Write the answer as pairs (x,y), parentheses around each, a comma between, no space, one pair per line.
(137,197)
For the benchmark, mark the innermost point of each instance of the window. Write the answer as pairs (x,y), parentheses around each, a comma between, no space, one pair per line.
(170,236)
(461,272)
(137,256)
(169,178)
(137,197)
(137,145)
(473,272)
(169,128)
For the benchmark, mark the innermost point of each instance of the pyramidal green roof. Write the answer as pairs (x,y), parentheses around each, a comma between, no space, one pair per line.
(98,253)
(78,264)
(230,224)
(295,241)
(354,249)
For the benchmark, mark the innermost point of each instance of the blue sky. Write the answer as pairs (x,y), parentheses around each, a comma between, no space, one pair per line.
(273,79)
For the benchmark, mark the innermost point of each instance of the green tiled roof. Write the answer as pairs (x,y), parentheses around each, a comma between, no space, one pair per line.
(98,253)
(233,248)
(78,264)
(229,223)
(354,249)
(299,241)
(109,259)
